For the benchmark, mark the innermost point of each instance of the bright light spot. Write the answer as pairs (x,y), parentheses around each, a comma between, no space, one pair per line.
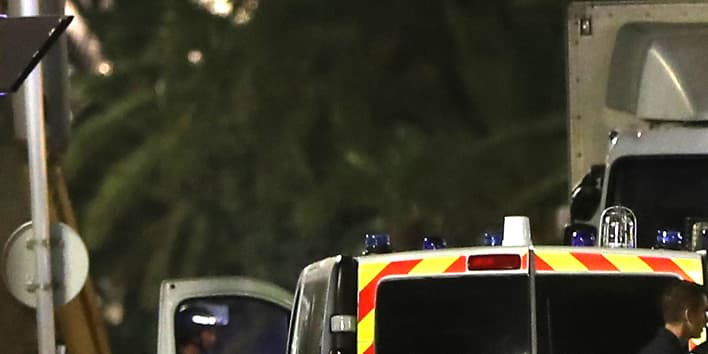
(221,7)
(195,56)
(204,320)
(242,16)
(245,13)
(105,68)
(114,313)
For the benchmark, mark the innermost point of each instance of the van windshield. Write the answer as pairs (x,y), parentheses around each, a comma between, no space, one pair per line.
(578,314)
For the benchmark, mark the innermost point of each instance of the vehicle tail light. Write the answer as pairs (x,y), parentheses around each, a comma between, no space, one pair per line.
(494,262)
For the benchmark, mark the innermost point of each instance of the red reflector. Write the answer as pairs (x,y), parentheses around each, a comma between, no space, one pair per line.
(494,262)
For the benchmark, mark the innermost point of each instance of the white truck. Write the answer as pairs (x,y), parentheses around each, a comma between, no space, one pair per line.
(636,107)
(637,112)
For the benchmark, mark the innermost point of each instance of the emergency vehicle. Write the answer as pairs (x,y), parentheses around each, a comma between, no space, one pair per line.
(494,299)
(637,110)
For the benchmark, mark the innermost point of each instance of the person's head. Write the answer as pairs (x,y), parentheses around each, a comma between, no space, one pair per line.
(684,305)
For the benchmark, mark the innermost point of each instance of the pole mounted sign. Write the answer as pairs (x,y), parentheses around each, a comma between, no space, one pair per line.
(69,259)
(23,43)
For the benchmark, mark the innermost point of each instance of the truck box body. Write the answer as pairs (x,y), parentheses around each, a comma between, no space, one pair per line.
(597,104)
(637,108)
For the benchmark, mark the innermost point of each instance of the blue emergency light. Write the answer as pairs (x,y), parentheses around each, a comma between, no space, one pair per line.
(377,243)
(669,239)
(433,243)
(583,238)
(493,238)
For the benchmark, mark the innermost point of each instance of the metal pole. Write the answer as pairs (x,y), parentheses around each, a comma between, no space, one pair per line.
(28,102)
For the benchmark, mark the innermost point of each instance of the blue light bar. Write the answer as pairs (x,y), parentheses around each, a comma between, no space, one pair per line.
(377,243)
(433,243)
(493,238)
(669,239)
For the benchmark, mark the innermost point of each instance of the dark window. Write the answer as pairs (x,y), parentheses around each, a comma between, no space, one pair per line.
(662,191)
(586,314)
(575,314)
(456,315)
(230,324)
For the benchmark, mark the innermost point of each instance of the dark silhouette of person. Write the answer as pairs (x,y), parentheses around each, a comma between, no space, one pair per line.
(683,306)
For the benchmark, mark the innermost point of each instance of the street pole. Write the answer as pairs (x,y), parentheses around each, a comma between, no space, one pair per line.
(28,105)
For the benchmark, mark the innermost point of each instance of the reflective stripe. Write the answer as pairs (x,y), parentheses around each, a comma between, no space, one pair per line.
(595,261)
(368,271)
(370,274)
(563,262)
(365,333)
(435,265)
(367,294)
(369,350)
(629,263)
(367,301)
(665,265)
(692,267)
(579,262)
